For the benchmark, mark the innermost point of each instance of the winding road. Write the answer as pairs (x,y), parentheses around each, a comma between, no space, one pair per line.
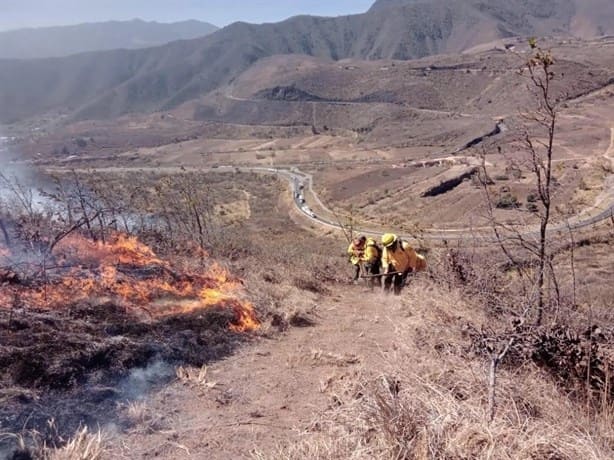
(301,185)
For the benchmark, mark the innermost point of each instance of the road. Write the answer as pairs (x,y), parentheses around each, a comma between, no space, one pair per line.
(301,185)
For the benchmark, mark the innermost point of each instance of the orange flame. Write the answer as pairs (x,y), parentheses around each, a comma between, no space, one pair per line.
(129,271)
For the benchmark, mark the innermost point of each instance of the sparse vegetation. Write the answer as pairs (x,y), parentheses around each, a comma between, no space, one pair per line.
(502,349)
(507,201)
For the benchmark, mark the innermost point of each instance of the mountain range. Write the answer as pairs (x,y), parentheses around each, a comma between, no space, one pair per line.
(111,83)
(61,41)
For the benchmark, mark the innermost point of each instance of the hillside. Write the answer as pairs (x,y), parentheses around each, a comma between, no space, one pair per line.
(66,40)
(334,370)
(432,100)
(104,85)
(532,17)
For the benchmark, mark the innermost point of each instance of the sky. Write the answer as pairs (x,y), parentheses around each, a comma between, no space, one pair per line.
(16,14)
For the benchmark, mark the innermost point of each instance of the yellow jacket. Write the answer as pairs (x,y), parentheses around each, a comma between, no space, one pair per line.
(402,259)
(356,253)
(371,254)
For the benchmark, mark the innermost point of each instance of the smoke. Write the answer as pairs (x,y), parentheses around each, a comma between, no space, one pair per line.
(23,203)
(141,380)
(21,185)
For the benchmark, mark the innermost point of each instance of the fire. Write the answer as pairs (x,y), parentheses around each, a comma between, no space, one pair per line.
(128,271)
(121,249)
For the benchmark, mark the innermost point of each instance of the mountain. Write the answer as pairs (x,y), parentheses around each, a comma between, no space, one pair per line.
(583,19)
(66,40)
(107,84)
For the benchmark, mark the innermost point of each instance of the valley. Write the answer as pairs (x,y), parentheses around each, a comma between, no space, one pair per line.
(174,225)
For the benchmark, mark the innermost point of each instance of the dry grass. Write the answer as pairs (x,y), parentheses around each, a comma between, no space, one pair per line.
(141,417)
(429,400)
(83,446)
(194,377)
(137,412)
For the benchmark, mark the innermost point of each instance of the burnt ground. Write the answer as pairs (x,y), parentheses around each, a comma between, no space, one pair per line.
(75,365)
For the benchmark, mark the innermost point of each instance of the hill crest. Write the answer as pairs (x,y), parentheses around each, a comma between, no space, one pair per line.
(105,85)
(59,41)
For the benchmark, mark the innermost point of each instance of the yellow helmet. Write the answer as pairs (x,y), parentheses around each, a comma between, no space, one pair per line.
(388,239)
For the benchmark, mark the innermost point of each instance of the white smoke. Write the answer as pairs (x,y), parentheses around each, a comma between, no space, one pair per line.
(140,380)
(22,186)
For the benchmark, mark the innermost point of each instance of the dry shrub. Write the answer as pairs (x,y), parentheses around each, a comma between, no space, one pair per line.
(281,302)
(284,278)
(311,284)
(301,319)
(574,345)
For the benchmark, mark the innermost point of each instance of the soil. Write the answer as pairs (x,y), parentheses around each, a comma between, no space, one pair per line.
(86,364)
(271,392)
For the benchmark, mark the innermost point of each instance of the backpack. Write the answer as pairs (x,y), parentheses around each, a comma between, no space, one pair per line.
(371,242)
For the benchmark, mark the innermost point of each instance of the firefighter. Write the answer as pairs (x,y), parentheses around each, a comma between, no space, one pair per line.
(399,259)
(371,259)
(356,252)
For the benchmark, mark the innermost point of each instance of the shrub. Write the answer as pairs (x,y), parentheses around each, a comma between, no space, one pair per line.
(507,201)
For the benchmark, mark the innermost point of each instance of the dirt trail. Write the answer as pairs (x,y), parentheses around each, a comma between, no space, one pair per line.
(271,391)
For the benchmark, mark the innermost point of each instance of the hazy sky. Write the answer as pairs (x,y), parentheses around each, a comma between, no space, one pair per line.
(36,13)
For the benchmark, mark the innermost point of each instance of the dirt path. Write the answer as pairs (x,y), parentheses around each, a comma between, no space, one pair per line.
(273,390)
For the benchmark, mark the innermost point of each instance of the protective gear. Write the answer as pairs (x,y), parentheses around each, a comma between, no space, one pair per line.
(360,241)
(420,263)
(371,259)
(372,252)
(356,252)
(400,258)
(388,239)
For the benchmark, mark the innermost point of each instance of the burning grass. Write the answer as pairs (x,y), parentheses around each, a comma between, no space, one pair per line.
(127,271)
(75,333)
(91,316)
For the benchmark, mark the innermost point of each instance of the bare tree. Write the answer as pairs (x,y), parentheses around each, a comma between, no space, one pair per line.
(528,254)
(539,70)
